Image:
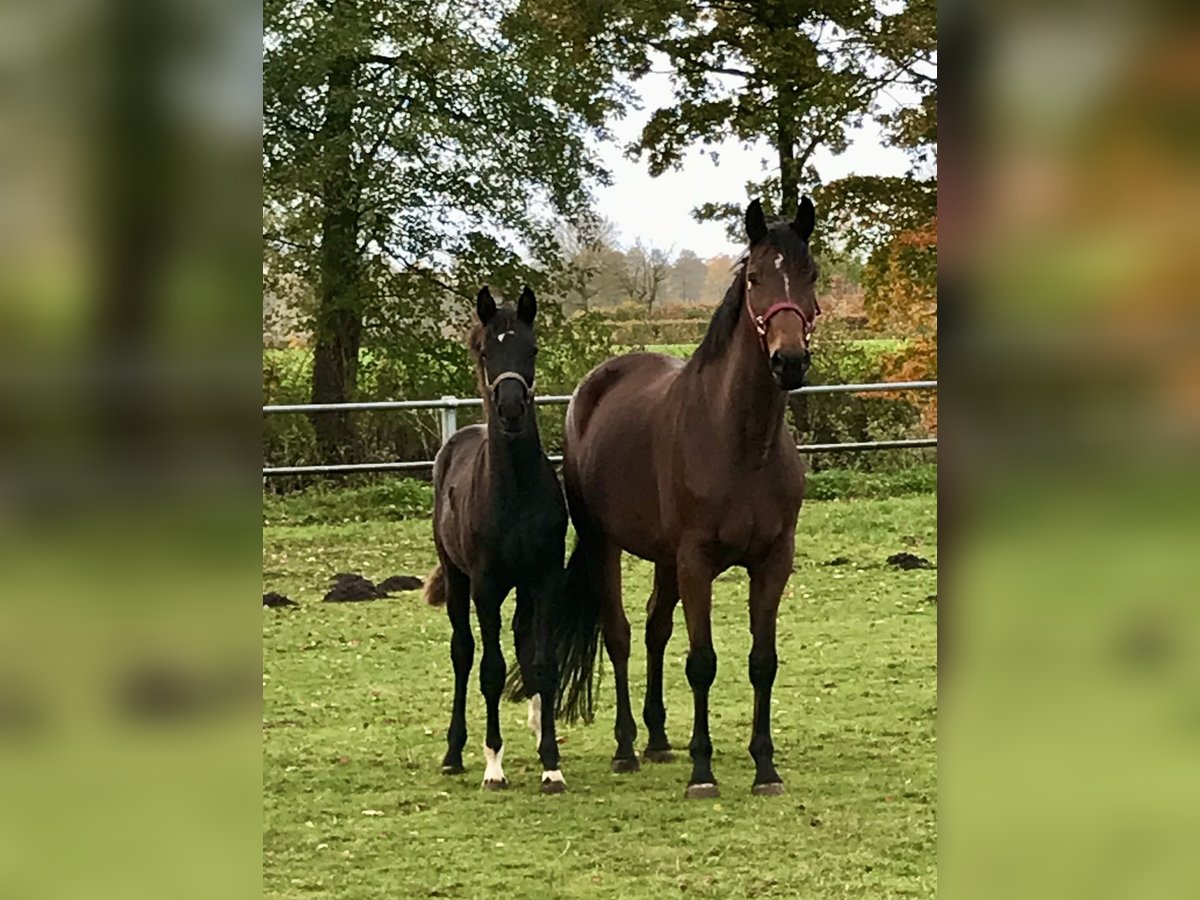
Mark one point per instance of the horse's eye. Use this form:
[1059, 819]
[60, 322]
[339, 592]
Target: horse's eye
[753, 278]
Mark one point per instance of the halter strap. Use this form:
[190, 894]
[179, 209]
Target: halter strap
[762, 321]
[505, 376]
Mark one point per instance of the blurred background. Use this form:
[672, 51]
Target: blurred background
[1070, 679]
[142, 142]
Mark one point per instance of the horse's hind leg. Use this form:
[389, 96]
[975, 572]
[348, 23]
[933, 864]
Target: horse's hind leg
[492, 670]
[462, 654]
[659, 624]
[607, 572]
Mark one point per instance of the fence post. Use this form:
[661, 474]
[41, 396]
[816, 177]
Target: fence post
[449, 418]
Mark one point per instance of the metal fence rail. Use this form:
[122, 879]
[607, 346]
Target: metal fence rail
[448, 407]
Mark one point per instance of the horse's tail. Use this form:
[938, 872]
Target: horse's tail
[577, 635]
[434, 591]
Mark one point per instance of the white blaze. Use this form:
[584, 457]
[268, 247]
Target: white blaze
[495, 764]
[787, 288]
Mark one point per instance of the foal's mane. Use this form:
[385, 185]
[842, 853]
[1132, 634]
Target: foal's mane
[724, 322]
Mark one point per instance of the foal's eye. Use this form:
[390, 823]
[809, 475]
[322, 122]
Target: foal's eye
[753, 278]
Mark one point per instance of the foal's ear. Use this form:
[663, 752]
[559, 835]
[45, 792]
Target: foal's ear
[756, 222]
[806, 218]
[485, 305]
[526, 306]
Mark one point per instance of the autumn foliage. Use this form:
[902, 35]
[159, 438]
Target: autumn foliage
[900, 286]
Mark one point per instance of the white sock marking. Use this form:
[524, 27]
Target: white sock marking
[495, 764]
[534, 717]
[554, 775]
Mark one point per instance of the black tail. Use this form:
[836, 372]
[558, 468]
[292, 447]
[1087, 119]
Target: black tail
[577, 637]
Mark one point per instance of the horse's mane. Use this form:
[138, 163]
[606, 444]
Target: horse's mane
[724, 320]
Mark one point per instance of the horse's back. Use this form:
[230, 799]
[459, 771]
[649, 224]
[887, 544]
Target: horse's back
[454, 471]
[609, 448]
[618, 381]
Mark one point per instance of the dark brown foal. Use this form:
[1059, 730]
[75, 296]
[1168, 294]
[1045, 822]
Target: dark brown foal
[689, 465]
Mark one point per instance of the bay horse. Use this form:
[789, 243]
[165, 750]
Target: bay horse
[500, 522]
[689, 465]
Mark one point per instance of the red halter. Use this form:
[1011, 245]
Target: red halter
[761, 322]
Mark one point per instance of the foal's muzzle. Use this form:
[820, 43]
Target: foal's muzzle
[513, 396]
[790, 368]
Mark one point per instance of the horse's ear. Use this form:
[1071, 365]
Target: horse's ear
[485, 305]
[756, 222]
[806, 218]
[526, 306]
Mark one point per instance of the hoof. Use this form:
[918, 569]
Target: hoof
[625, 764]
[663, 755]
[771, 789]
[553, 787]
[702, 791]
[495, 785]
[453, 769]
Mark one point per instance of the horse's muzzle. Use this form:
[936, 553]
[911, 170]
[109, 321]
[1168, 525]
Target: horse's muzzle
[790, 368]
[512, 401]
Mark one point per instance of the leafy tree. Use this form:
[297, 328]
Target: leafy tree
[687, 277]
[401, 136]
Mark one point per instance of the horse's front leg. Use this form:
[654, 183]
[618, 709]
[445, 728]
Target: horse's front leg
[547, 594]
[695, 576]
[488, 598]
[767, 581]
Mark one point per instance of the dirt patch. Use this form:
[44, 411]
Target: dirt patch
[908, 561]
[275, 601]
[401, 583]
[837, 561]
[350, 588]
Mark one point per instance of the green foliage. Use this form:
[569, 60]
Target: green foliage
[853, 484]
[568, 348]
[388, 499]
[660, 331]
[844, 418]
[356, 698]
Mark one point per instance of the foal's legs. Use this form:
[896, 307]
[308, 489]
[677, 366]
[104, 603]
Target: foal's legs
[488, 598]
[545, 667]
[659, 624]
[695, 585]
[533, 632]
[462, 654]
[766, 586]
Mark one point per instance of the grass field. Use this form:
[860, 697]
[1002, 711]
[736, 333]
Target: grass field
[356, 701]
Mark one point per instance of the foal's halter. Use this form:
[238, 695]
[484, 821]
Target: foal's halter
[762, 321]
[506, 376]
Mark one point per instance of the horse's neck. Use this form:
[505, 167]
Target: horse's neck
[514, 460]
[745, 403]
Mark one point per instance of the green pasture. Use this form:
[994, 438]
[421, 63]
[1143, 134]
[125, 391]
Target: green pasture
[357, 698]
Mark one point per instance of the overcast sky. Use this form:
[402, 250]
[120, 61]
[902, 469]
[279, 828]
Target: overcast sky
[658, 210]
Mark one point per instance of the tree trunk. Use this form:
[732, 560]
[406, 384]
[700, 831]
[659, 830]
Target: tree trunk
[338, 332]
[785, 140]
